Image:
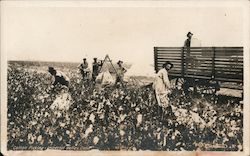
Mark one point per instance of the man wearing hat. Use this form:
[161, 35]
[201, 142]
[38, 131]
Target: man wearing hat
[83, 67]
[59, 77]
[189, 59]
[162, 86]
[120, 72]
[188, 40]
[95, 68]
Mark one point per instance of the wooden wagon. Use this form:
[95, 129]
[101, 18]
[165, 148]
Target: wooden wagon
[202, 69]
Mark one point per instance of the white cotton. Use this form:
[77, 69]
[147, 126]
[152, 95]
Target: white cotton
[67, 132]
[92, 117]
[46, 114]
[39, 138]
[240, 147]
[62, 124]
[137, 109]
[95, 140]
[139, 119]
[164, 141]
[176, 113]
[120, 108]
[88, 131]
[196, 118]
[211, 122]
[231, 134]
[34, 122]
[100, 106]
[122, 132]
[62, 102]
[195, 109]
[173, 137]
[59, 114]
[123, 116]
[158, 136]
[102, 116]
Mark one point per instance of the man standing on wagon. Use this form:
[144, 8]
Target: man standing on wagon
[187, 45]
[188, 40]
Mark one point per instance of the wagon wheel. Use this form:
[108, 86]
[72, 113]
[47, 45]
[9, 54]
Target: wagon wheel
[182, 85]
[174, 91]
[179, 83]
[208, 88]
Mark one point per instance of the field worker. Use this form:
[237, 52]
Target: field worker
[187, 44]
[188, 40]
[161, 85]
[95, 68]
[120, 72]
[59, 77]
[83, 67]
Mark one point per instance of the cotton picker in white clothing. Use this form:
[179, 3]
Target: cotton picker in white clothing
[162, 87]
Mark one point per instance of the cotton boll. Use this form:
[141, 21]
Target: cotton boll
[231, 134]
[39, 138]
[88, 130]
[92, 117]
[240, 148]
[68, 132]
[62, 124]
[95, 140]
[137, 109]
[122, 132]
[139, 119]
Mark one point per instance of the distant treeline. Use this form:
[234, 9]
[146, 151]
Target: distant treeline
[44, 63]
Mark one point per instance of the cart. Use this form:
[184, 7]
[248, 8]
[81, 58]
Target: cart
[202, 69]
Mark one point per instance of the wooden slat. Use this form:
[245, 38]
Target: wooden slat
[170, 57]
[169, 51]
[227, 48]
[228, 80]
[228, 75]
[175, 72]
[175, 68]
[229, 65]
[168, 48]
[174, 75]
[169, 54]
[198, 70]
[230, 50]
[202, 66]
[175, 63]
[163, 60]
[198, 77]
[229, 70]
[228, 60]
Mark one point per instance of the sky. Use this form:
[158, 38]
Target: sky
[124, 33]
